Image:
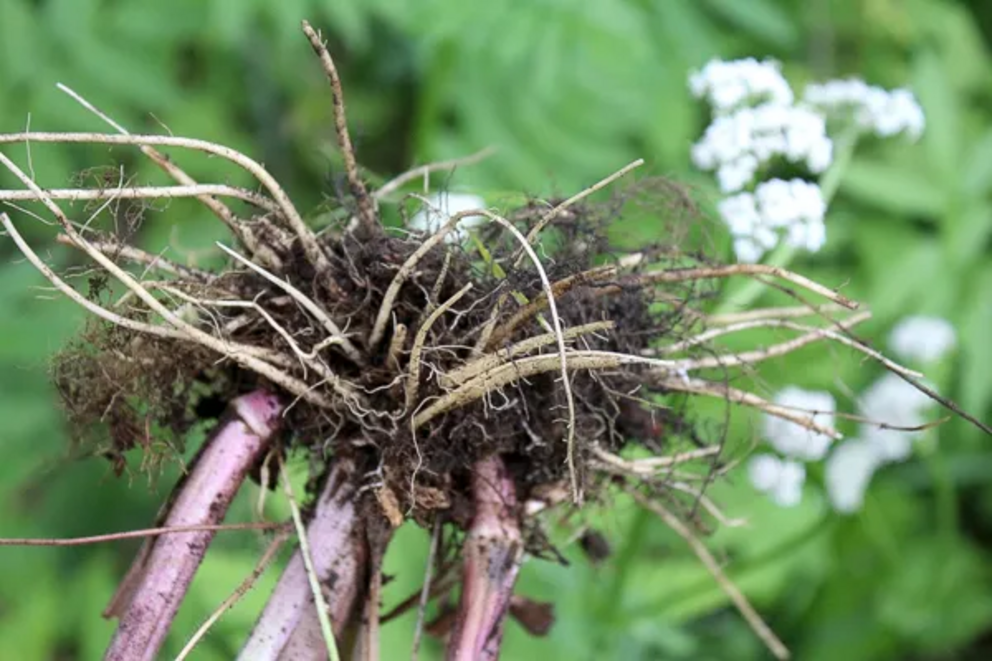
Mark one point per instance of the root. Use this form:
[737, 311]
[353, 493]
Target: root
[754, 270]
[389, 298]
[773, 314]
[218, 208]
[491, 361]
[783, 348]
[115, 249]
[181, 329]
[758, 625]
[512, 372]
[413, 380]
[415, 425]
[366, 204]
[556, 323]
[139, 534]
[744, 398]
[288, 212]
[556, 211]
[649, 466]
[263, 563]
[337, 337]
[496, 336]
[144, 193]
[424, 170]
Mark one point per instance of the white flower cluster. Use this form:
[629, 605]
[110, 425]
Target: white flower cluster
[782, 478]
[738, 144]
[794, 440]
[890, 406]
[890, 401]
[873, 109]
[442, 207]
[922, 339]
[893, 402]
[757, 122]
[848, 472]
[778, 210]
[728, 85]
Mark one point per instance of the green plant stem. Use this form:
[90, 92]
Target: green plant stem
[944, 493]
[609, 606]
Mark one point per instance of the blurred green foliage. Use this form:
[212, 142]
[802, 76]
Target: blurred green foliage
[568, 91]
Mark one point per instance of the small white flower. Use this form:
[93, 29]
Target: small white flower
[793, 440]
[848, 472]
[790, 211]
[442, 207]
[892, 401]
[781, 479]
[740, 213]
[737, 174]
[923, 339]
[872, 108]
[727, 85]
[738, 144]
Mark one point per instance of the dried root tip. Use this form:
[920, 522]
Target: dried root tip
[288, 627]
[493, 552]
[367, 214]
[202, 498]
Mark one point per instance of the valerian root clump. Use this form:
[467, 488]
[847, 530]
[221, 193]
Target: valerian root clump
[466, 384]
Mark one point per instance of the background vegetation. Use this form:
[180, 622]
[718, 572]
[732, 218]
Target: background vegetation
[568, 91]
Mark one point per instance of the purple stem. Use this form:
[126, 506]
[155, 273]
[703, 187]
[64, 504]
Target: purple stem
[492, 556]
[167, 569]
[288, 627]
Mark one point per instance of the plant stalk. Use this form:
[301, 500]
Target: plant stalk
[156, 585]
[289, 627]
[493, 552]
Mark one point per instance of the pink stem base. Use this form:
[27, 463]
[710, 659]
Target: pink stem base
[288, 627]
[166, 570]
[493, 551]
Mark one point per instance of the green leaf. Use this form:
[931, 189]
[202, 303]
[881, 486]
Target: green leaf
[18, 35]
[941, 104]
[940, 596]
[487, 257]
[976, 349]
[163, 24]
[967, 235]
[977, 176]
[902, 275]
[893, 188]
[762, 19]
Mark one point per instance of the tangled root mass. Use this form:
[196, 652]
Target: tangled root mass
[139, 388]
